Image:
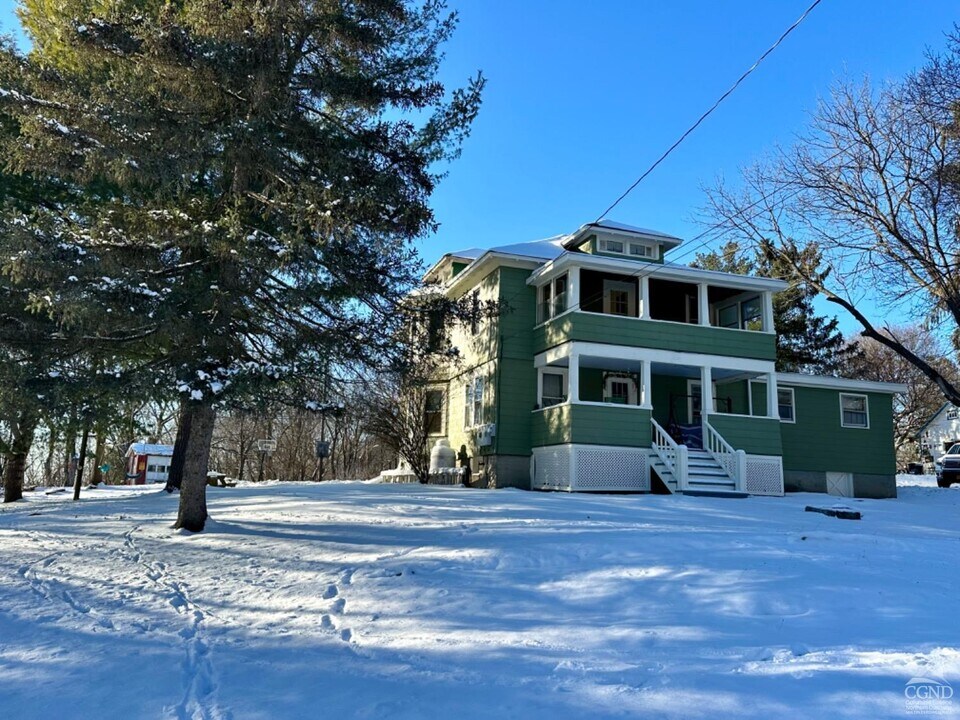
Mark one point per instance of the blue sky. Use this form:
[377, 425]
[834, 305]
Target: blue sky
[583, 96]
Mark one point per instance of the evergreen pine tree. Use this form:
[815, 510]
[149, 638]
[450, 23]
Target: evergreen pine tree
[806, 342]
[265, 168]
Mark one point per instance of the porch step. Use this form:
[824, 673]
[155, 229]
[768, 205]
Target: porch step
[705, 476]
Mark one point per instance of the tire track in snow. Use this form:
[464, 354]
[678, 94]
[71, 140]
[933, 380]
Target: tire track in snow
[200, 699]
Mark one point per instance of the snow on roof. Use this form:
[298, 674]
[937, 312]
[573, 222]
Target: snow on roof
[150, 449]
[623, 227]
[546, 249]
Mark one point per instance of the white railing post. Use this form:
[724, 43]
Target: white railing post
[683, 462]
[573, 377]
[741, 470]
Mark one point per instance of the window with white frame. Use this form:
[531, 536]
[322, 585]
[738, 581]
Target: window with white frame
[473, 402]
[854, 411]
[554, 389]
[151, 468]
[620, 389]
[786, 405]
[553, 298]
[646, 251]
[612, 246]
[619, 298]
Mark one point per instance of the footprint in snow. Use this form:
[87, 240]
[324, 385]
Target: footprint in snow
[338, 606]
[330, 592]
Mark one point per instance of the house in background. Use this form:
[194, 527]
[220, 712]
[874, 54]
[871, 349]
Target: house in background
[940, 432]
[148, 463]
[614, 369]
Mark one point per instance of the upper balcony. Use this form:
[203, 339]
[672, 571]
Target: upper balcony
[639, 304]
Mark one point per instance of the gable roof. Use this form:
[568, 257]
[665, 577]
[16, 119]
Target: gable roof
[149, 449]
[933, 417]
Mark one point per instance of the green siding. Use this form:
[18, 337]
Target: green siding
[592, 425]
[663, 387]
[457, 267]
[591, 384]
[756, 436]
[516, 377]
[593, 327]
[817, 442]
[737, 392]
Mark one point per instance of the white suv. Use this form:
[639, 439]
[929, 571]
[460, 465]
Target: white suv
[948, 467]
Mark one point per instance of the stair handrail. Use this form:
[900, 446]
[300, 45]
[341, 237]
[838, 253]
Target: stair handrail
[729, 458]
[672, 454]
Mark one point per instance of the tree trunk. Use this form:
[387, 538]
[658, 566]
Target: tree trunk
[48, 463]
[15, 467]
[193, 486]
[70, 448]
[98, 457]
[175, 474]
[82, 460]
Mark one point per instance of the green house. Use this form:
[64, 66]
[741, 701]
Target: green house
[613, 369]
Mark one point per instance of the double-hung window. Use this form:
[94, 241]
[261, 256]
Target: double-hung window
[473, 402]
[854, 411]
[433, 412]
[786, 405]
[553, 390]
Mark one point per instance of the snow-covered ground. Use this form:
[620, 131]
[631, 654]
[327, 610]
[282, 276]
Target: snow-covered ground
[355, 600]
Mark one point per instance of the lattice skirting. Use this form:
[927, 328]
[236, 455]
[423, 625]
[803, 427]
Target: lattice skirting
[764, 475]
[591, 468]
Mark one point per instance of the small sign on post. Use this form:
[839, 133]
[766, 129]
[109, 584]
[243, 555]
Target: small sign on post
[266, 446]
[323, 448]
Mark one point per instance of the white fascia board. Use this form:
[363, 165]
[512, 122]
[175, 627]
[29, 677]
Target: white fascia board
[589, 229]
[649, 269]
[834, 383]
[638, 354]
[479, 268]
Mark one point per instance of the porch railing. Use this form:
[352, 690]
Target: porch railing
[733, 462]
[673, 455]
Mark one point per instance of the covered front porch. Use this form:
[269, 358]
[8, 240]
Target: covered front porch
[597, 394]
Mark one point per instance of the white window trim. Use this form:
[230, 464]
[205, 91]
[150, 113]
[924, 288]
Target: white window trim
[632, 394]
[866, 408]
[793, 404]
[471, 384]
[550, 311]
[566, 387]
[625, 285]
[653, 247]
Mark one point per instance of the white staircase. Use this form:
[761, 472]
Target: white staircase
[705, 476]
[697, 472]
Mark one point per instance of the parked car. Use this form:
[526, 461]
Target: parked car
[948, 467]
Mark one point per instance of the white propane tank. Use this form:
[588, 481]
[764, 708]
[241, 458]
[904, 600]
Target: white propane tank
[442, 456]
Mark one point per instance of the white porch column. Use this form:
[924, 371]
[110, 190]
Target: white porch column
[706, 388]
[573, 377]
[704, 308]
[773, 409]
[646, 388]
[645, 297]
[767, 299]
[539, 387]
[573, 289]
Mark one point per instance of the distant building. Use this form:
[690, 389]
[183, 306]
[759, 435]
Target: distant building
[940, 431]
[148, 463]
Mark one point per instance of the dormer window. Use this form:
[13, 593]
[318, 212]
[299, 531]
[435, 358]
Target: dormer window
[647, 251]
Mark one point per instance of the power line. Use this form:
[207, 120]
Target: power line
[713, 107]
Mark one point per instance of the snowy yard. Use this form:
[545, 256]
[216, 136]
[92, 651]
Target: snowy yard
[350, 600]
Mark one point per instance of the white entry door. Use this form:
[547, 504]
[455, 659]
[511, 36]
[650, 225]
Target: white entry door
[839, 483]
